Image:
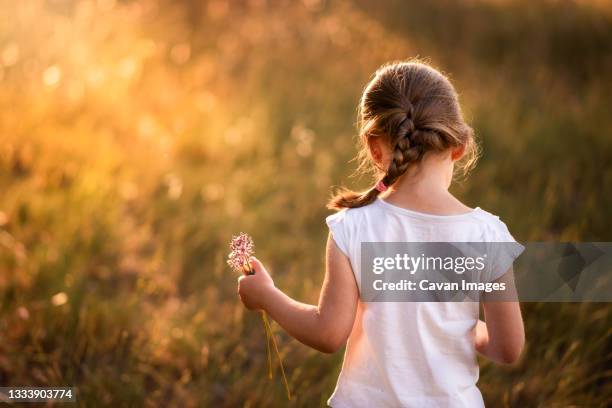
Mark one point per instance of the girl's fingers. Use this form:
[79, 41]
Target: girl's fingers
[246, 269]
[256, 265]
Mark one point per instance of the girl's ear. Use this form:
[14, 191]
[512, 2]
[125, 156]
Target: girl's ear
[375, 149]
[457, 153]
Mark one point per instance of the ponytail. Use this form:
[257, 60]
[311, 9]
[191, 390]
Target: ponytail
[351, 199]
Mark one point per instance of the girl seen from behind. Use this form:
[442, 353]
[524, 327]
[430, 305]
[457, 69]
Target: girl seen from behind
[401, 354]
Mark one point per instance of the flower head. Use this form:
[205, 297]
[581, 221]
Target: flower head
[241, 248]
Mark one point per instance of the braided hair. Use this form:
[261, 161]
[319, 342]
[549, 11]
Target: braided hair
[416, 110]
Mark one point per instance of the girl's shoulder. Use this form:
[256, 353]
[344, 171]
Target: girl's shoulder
[346, 225]
[344, 218]
[350, 217]
[478, 224]
[498, 230]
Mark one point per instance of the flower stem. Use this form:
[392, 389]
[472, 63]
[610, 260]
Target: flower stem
[264, 316]
[268, 340]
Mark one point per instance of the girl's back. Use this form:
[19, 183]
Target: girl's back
[409, 353]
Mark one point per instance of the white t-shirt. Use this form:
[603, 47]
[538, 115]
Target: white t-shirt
[403, 354]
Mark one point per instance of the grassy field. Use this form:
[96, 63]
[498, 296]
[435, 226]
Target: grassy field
[138, 136]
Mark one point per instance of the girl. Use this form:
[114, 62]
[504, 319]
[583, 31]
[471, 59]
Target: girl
[401, 354]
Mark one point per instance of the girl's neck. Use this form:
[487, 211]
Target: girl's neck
[424, 188]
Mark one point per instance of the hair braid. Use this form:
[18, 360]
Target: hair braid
[407, 150]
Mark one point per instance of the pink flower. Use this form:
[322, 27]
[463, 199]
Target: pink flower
[241, 248]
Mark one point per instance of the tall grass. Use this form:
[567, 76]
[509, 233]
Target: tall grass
[138, 136]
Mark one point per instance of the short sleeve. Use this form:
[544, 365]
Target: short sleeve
[505, 250]
[337, 225]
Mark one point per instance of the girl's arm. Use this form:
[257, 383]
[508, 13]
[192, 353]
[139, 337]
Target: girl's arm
[501, 336]
[325, 326]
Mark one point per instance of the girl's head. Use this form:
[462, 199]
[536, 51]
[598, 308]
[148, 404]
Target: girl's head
[408, 110]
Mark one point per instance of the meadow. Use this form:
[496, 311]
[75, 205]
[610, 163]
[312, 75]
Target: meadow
[136, 137]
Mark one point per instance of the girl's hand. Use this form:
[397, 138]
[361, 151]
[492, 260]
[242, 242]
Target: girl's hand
[254, 289]
[481, 336]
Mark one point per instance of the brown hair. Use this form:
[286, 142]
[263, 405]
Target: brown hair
[416, 110]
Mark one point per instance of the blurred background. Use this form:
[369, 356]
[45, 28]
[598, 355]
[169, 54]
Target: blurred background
[137, 136]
